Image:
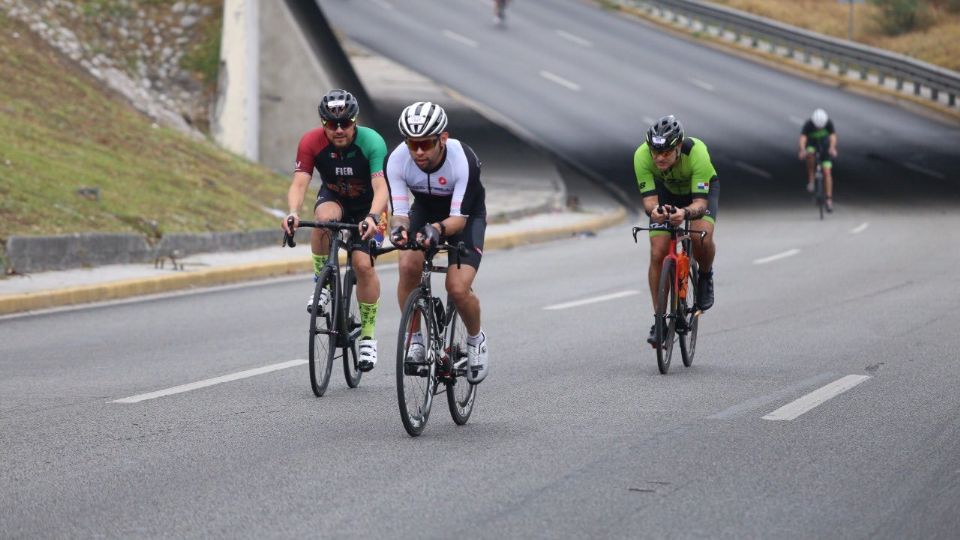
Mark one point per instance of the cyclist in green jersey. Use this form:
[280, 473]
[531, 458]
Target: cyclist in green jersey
[674, 171]
[818, 135]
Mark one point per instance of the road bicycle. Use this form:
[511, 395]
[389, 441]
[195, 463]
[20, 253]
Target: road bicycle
[819, 191]
[334, 328]
[677, 317]
[444, 364]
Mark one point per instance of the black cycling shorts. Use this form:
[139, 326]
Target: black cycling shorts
[472, 234]
[348, 213]
[713, 204]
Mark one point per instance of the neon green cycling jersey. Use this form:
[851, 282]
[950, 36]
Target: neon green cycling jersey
[689, 176]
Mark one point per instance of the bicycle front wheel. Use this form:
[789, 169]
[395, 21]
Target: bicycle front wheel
[460, 393]
[688, 341]
[416, 375]
[666, 315]
[351, 329]
[819, 190]
[323, 332]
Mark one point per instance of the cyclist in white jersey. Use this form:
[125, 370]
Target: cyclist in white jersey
[443, 175]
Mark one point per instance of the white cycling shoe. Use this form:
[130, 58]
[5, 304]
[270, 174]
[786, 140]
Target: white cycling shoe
[415, 363]
[477, 361]
[367, 349]
[324, 301]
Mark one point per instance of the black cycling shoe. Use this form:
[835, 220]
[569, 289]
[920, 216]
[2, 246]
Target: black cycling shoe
[705, 291]
[652, 338]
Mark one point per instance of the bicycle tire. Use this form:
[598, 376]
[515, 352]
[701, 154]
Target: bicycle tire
[351, 325]
[323, 334]
[461, 394]
[665, 316]
[819, 190]
[415, 389]
[688, 342]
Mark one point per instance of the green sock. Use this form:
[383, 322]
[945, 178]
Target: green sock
[318, 262]
[368, 319]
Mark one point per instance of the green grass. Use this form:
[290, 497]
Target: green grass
[60, 131]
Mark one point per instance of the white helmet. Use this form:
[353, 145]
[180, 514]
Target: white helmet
[819, 118]
[422, 119]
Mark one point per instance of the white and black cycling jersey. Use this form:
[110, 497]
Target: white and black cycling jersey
[453, 188]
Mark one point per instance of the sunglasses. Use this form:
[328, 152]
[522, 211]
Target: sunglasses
[664, 152]
[332, 125]
[424, 144]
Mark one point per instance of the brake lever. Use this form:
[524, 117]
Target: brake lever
[288, 238]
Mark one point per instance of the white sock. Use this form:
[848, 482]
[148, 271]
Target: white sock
[416, 337]
[475, 340]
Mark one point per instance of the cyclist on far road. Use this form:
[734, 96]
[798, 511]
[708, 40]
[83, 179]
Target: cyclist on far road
[675, 170]
[349, 159]
[818, 135]
[449, 204]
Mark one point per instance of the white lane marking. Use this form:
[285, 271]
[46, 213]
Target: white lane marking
[210, 382]
[777, 257]
[817, 397]
[705, 85]
[859, 228]
[383, 4]
[575, 38]
[923, 170]
[755, 170]
[797, 121]
[460, 38]
[560, 80]
[593, 300]
[757, 402]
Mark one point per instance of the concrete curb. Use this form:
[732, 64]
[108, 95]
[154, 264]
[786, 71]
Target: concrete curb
[19, 303]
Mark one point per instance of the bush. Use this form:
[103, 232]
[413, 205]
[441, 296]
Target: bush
[901, 16]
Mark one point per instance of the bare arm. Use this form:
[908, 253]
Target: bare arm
[295, 196]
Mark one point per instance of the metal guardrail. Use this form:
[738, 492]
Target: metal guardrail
[844, 55]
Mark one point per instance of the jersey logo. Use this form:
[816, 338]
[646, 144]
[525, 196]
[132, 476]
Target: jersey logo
[333, 155]
[343, 171]
[442, 181]
[298, 163]
[701, 185]
[351, 154]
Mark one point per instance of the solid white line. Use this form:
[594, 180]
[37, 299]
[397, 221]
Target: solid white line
[817, 397]
[462, 39]
[923, 170]
[593, 300]
[859, 228]
[210, 382]
[777, 257]
[574, 38]
[705, 85]
[755, 170]
[560, 80]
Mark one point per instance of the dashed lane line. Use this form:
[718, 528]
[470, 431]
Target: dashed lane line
[777, 257]
[210, 382]
[859, 228]
[593, 300]
[560, 80]
[583, 42]
[818, 397]
[459, 38]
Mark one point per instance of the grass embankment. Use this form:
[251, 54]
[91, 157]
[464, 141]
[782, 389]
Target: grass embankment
[60, 131]
[937, 42]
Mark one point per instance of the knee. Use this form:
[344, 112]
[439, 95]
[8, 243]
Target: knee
[365, 273]
[458, 292]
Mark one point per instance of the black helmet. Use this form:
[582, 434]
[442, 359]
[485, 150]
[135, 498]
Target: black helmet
[665, 134]
[338, 105]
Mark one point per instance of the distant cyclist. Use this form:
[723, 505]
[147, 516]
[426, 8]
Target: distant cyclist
[449, 203]
[349, 159]
[818, 135]
[500, 11]
[675, 170]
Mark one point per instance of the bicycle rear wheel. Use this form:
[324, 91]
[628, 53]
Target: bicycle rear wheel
[351, 329]
[688, 341]
[416, 377]
[666, 316]
[323, 332]
[460, 393]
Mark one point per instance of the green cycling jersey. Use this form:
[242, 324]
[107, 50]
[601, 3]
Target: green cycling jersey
[689, 176]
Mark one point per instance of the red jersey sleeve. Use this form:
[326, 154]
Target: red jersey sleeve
[310, 145]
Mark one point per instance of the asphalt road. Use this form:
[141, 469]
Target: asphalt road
[575, 432]
[587, 83]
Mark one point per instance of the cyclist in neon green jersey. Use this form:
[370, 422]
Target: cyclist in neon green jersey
[675, 170]
[818, 135]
